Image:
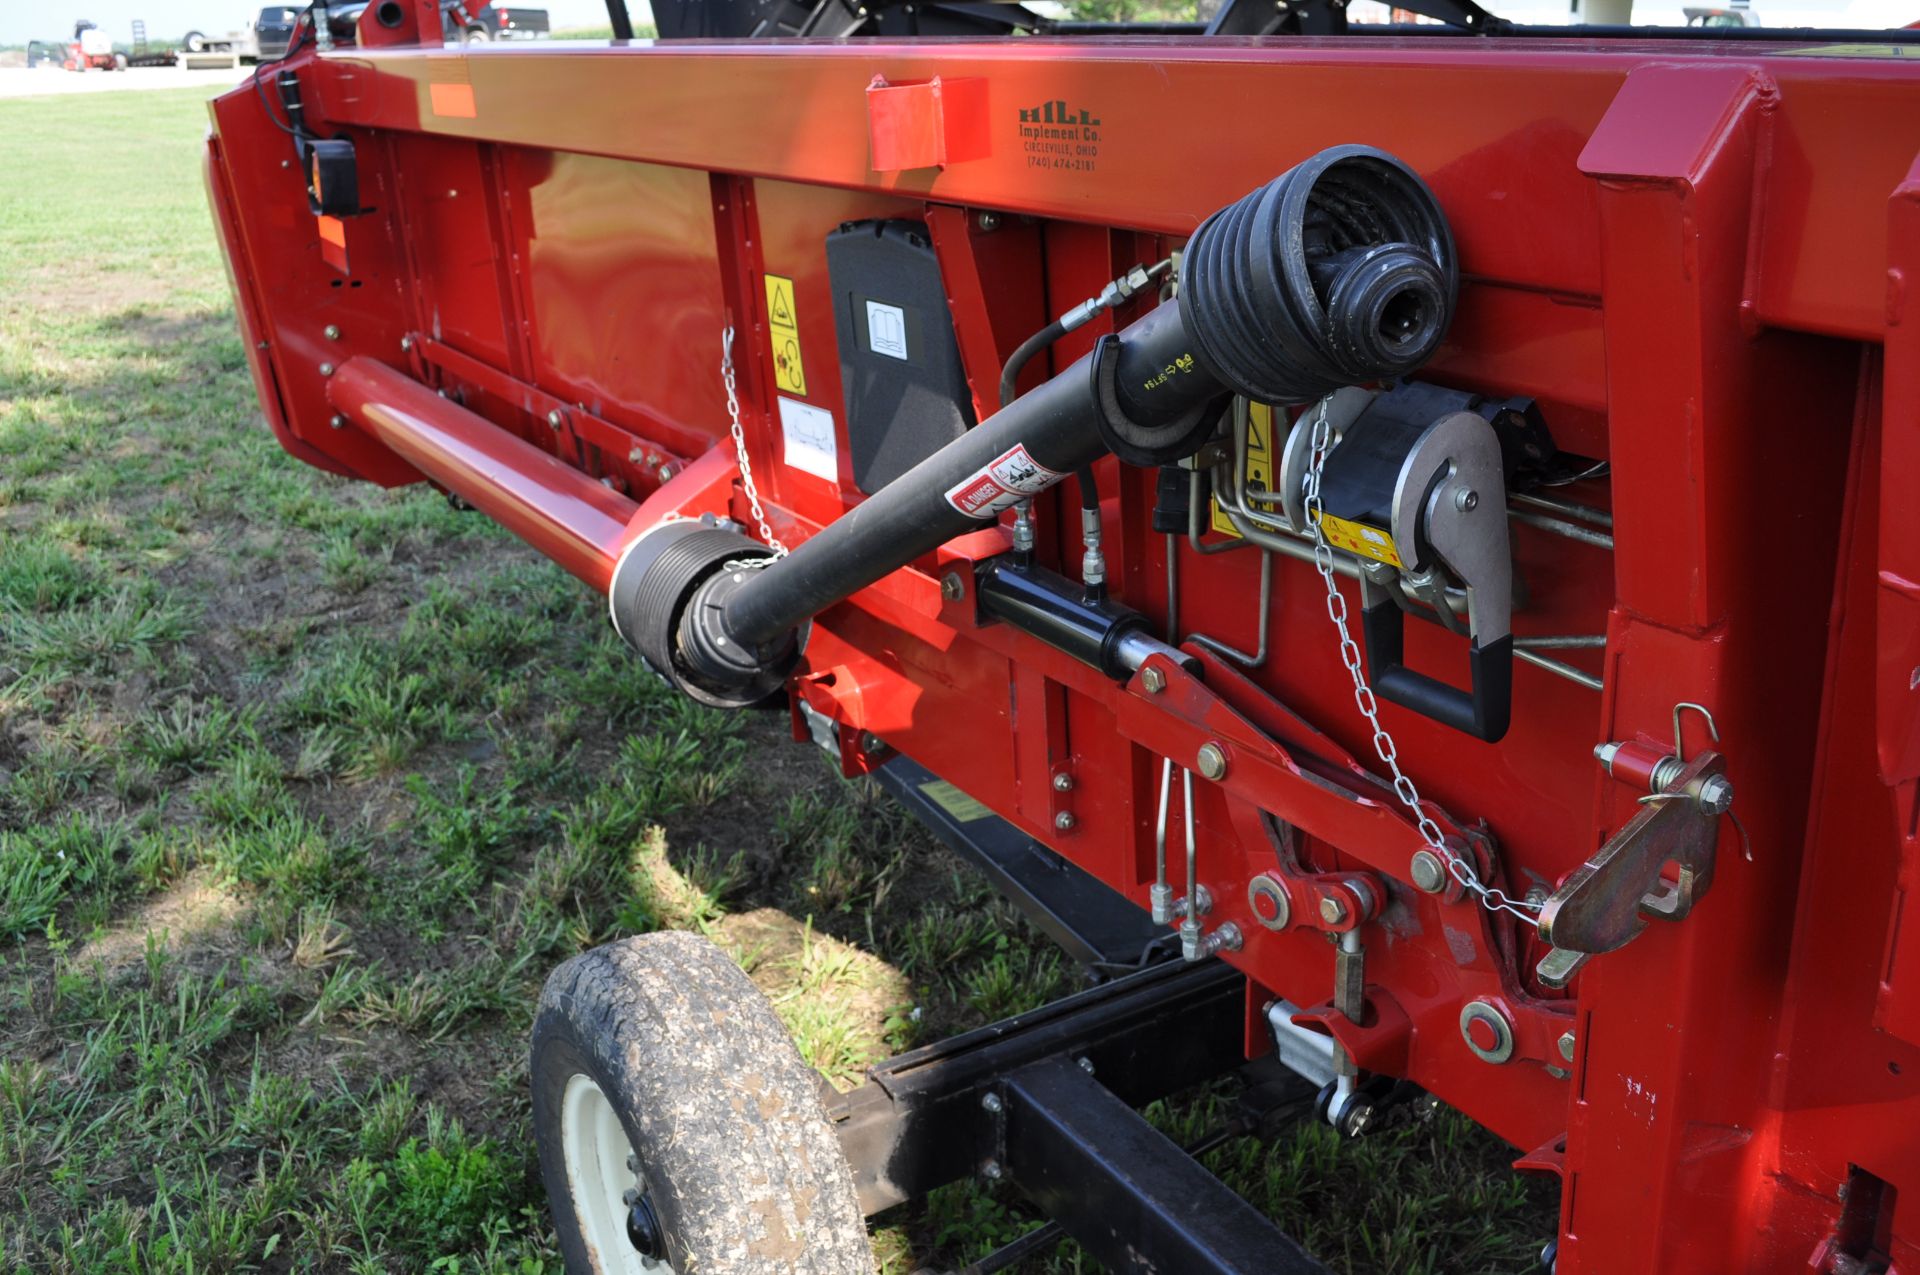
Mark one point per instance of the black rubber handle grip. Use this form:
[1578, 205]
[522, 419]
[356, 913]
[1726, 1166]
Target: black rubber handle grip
[1483, 712]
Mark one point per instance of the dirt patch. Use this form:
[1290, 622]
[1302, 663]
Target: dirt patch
[196, 917]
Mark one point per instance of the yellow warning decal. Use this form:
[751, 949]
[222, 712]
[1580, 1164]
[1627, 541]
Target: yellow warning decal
[1260, 464]
[1358, 537]
[1909, 52]
[963, 808]
[788, 372]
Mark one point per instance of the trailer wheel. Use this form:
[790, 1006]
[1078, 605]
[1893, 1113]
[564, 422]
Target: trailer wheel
[678, 1128]
[477, 35]
[194, 42]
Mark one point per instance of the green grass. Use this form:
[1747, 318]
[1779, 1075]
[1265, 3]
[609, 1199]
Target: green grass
[304, 787]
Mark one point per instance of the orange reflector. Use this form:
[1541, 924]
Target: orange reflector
[454, 101]
[333, 242]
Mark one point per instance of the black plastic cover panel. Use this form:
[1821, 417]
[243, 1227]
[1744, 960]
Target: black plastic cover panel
[906, 391]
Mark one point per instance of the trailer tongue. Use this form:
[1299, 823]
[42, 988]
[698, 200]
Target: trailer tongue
[1466, 585]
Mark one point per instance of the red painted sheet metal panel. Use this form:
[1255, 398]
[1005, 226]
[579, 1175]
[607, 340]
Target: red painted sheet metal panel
[446, 191]
[1500, 157]
[621, 285]
[790, 112]
[289, 299]
[1843, 1085]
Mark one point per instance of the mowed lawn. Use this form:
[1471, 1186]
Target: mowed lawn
[305, 786]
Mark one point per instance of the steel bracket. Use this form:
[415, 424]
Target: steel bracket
[1608, 900]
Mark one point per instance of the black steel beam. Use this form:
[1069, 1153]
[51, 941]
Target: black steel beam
[622, 21]
[918, 1122]
[1094, 924]
[1132, 1198]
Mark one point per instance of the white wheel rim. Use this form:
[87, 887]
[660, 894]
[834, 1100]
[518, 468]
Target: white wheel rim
[597, 1153]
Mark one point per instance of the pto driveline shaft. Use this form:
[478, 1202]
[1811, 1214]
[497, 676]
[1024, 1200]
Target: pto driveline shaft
[1039, 439]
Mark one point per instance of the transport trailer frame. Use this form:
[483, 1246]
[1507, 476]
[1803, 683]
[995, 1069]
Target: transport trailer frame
[1689, 262]
[1046, 1101]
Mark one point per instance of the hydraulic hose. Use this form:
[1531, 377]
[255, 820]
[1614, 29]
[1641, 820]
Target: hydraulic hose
[1023, 355]
[1341, 271]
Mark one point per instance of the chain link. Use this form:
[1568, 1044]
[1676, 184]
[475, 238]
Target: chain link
[746, 466]
[1491, 897]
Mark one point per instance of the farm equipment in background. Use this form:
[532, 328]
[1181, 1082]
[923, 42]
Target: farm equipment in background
[1416, 523]
[92, 50]
[461, 21]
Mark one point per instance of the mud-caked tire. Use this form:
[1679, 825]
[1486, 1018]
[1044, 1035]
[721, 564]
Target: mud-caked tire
[658, 1053]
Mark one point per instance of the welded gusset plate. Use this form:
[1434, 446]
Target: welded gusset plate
[1607, 902]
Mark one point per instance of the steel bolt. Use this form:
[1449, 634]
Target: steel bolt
[1212, 761]
[1064, 821]
[951, 587]
[1359, 1120]
[1716, 795]
[635, 456]
[1152, 680]
[326, 369]
[991, 1171]
[666, 472]
[333, 332]
[1566, 1046]
[553, 418]
[989, 221]
[1332, 909]
[990, 1103]
[1466, 500]
[406, 343]
[1428, 873]
[871, 744]
[337, 421]
[1086, 1064]
[1063, 782]
[629, 1196]
[1485, 1028]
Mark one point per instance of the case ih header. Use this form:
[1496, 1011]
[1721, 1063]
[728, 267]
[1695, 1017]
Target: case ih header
[1454, 557]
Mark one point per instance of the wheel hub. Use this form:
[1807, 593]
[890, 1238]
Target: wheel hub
[643, 1230]
[617, 1222]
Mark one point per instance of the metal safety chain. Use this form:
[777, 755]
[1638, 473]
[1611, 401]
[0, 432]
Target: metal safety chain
[1491, 897]
[746, 466]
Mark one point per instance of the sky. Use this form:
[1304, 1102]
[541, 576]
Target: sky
[23, 20]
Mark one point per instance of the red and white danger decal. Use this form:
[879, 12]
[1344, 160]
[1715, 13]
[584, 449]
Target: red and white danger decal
[1006, 480]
